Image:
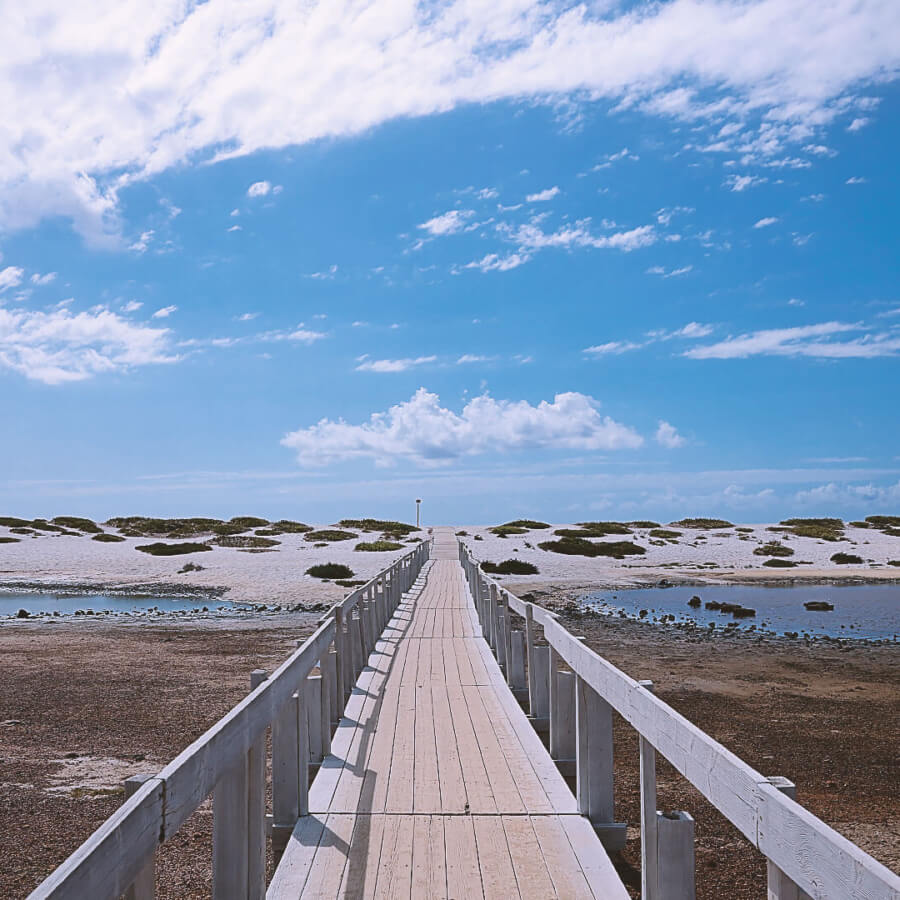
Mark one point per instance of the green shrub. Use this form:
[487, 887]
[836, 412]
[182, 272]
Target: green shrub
[600, 529]
[894, 562]
[665, 533]
[9, 540]
[883, 521]
[13, 522]
[506, 530]
[349, 582]
[526, 524]
[477, 537]
[703, 523]
[773, 548]
[77, 523]
[137, 526]
[105, 538]
[23, 530]
[510, 567]
[378, 546]
[267, 532]
[248, 522]
[288, 526]
[327, 534]
[893, 532]
[227, 528]
[574, 546]
[744, 530]
[779, 563]
[860, 524]
[846, 559]
[819, 529]
[190, 567]
[388, 526]
[245, 541]
[160, 549]
[643, 523]
[462, 533]
[330, 570]
[44, 525]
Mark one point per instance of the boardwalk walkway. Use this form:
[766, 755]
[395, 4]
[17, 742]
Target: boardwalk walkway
[437, 785]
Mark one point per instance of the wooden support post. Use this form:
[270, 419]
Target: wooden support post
[501, 637]
[286, 770]
[564, 720]
[529, 655]
[506, 633]
[325, 705]
[356, 639]
[649, 849]
[334, 691]
[495, 621]
[780, 887]
[517, 679]
[144, 886]
[594, 730]
[340, 650]
[256, 807]
[230, 834]
[540, 707]
[553, 692]
[313, 698]
[675, 853]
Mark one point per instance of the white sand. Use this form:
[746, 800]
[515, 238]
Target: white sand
[277, 576]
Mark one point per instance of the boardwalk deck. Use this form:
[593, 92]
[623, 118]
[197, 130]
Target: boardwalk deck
[436, 785]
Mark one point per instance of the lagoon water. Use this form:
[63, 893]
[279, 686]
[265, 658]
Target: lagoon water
[869, 611]
[37, 603]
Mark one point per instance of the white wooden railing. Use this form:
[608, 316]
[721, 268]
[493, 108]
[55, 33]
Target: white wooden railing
[805, 856]
[229, 762]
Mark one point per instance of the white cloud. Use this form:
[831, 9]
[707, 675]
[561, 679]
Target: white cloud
[141, 244]
[246, 317]
[531, 238]
[234, 228]
[326, 275]
[740, 183]
[259, 189]
[796, 301]
[421, 431]
[305, 335]
[820, 150]
[132, 306]
[856, 179]
[671, 273]
[59, 346]
[665, 215]
[448, 223]
[691, 330]
[235, 212]
[608, 159]
[11, 277]
[541, 196]
[40, 280]
[471, 358]
[612, 348]
[806, 340]
[856, 124]
[766, 222]
[164, 312]
[667, 436]
[217, 80]
[393, 365]
[491, 262]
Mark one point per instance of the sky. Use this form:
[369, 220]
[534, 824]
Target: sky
[566, 261]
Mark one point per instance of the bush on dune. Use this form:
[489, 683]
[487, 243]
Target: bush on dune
[773, 548]
[601, 529]
[161, 549]
[246, 541]
[329, 534]
[246, 522]
[77, 523]
[378, 546]
[510, 567]
[387, 526]
[574, 546]
[846, 559]
[330, 570]
[527, 524]
[105, 538]
[701, 522]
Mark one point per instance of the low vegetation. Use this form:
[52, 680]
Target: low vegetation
[105, 538]
[349, 582]
[506, 530]
[161, 549]
[14, 522]
[77, 523]
[665, 533]
[248, 521]
[329, 534]
[576, 546]
[819, 529]
[893, 562]
[190, 567]
[528, 524]
[643, 523]
[701, 522]
[289, 526]
[601, 529]
[386, 526]
[883, 521]
[773, 548]
[510, 567]
[330, 570]
[846, 559]
[145, 526]
[246, 542]
[378, 546]
[9, 540]
[779, 563]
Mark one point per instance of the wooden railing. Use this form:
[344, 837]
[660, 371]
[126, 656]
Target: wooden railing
[229, 762]
[805, 856]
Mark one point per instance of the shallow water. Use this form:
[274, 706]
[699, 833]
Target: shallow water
[66, 604]
[869, 611]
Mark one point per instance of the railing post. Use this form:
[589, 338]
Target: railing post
[563, 721]
[675, 854]
[529, 655]
[517, 679]
[314, 716]
[507, 636]
[649, 849]
[495, 620]
[553, 693]
[594, 729]
[359, 641]
[144, 886]
[340, 651]
[780, 886]
[540, 710]
[256, 807]
[331, 676]
[290, 773]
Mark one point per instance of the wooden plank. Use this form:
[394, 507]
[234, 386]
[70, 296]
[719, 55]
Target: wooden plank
[454, 798]
[498, 877]
[463, 872]
[426, 780]
[479, 792]
[429, 858]
[563, 865]
[395, 865]
[361, 871]
[327, 870]
[400, 786]
[595, 864]
[532, 876]
[293, 870]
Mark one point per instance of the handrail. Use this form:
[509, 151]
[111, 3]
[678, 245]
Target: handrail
[813, 855]
[110, 860]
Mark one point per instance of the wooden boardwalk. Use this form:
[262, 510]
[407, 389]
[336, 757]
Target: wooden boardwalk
[436, 784]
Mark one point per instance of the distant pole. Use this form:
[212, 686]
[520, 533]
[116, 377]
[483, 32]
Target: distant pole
[418, 505]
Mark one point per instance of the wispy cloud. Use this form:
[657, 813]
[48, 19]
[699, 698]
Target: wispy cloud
[39, 280]
[613, 348]
[858, 123]
[856, 179]
[447, 223]
[422, 431]
[164, 312]
[259, 189]
[492, 262]
[542, 196]
[11, 277]
[394, 365]
[739, 183]
[766, 222]
[326, 274]
[670, 273]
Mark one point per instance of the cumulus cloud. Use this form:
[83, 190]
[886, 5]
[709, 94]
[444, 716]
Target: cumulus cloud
[132, 306]
[542, 196]
[667, 436]
[259, 189]
[217, 80]
[61, 346]
[805, 340]
[858, 123]
[11, 277]
[448, 223]
[766, 222]
[531, 237]
[40, 280]
[492, 262]
[422, 431]
[740, 183]
[393, 365]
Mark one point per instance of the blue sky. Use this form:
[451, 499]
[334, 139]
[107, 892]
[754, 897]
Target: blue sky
[603, 261]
